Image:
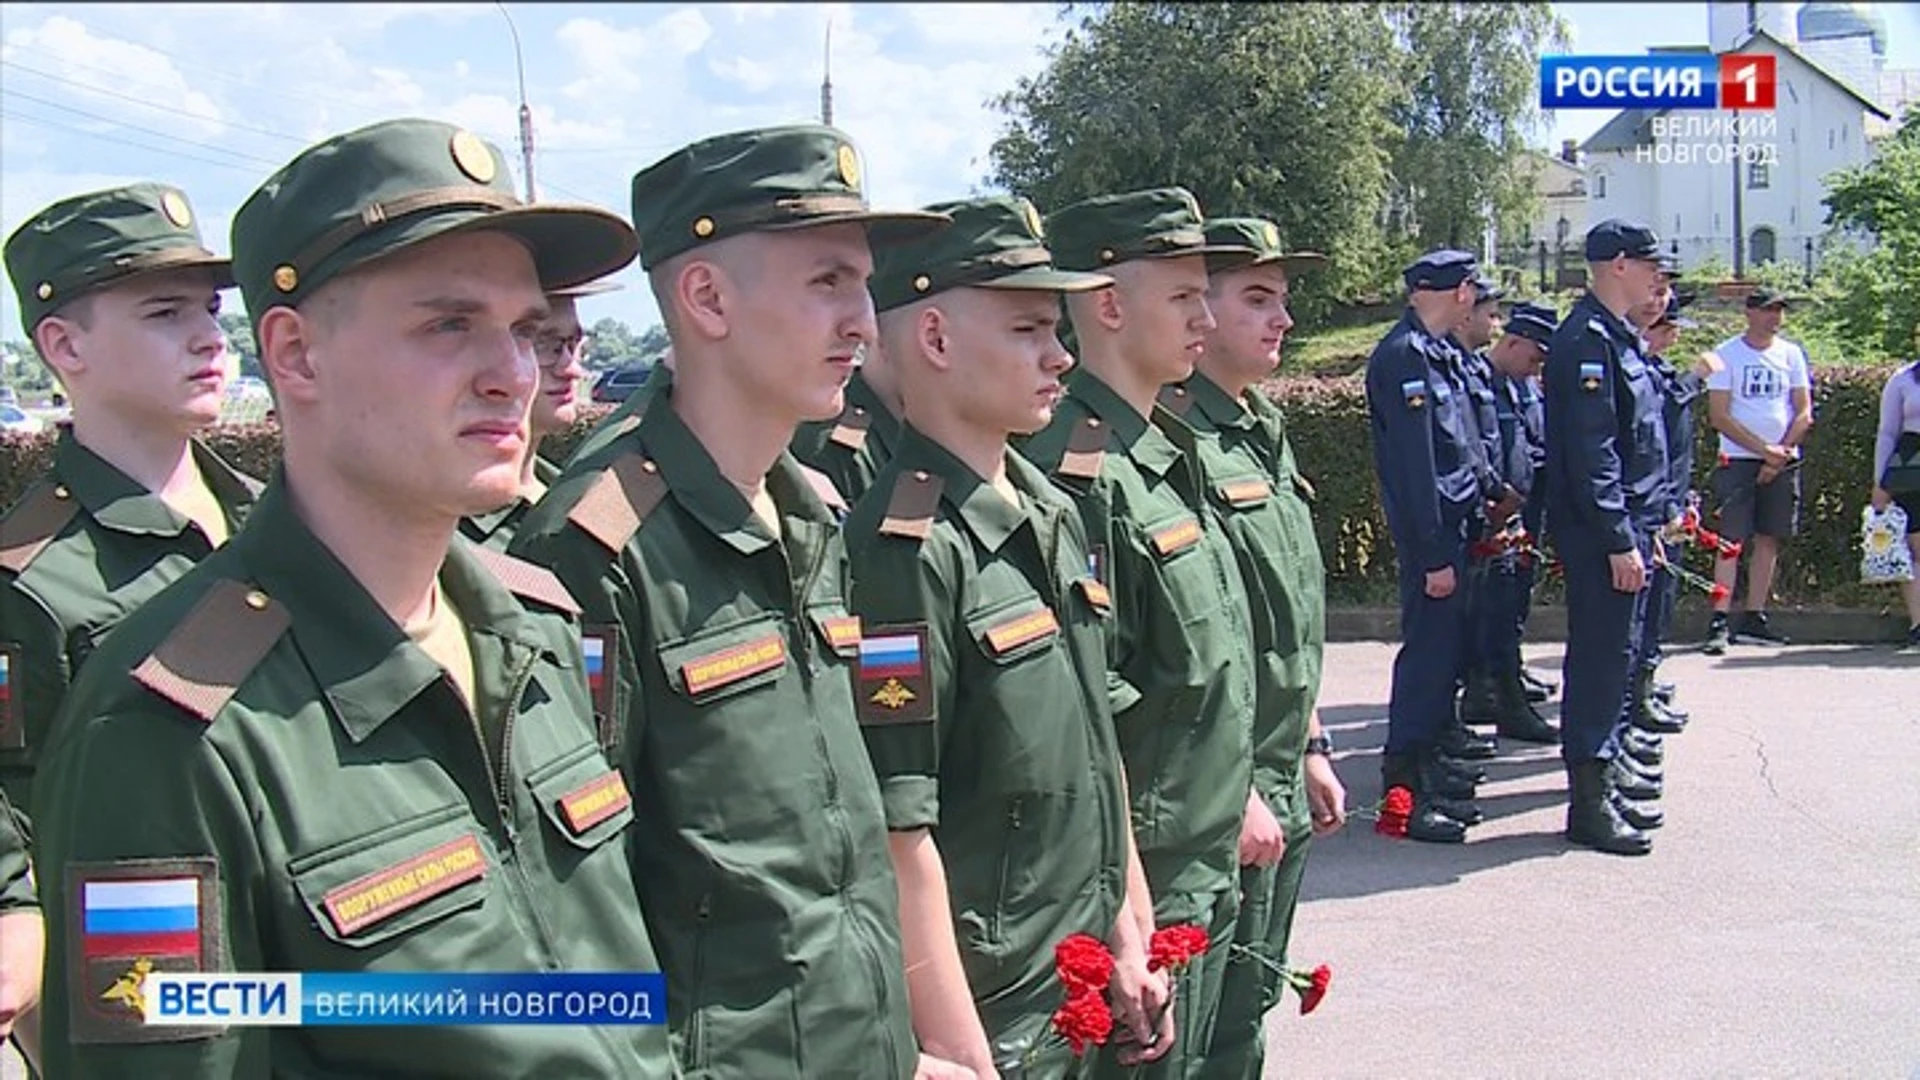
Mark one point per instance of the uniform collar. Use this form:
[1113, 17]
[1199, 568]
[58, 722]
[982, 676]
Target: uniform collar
[985, 512]
[883, 424]
[706, 493]
[1142, 441]
[1221, 409]
[122, 504]
[483, 526]
[1617, 328]
[365, 664]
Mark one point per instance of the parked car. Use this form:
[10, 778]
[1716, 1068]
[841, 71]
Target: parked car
[614, 384]
[15, 422]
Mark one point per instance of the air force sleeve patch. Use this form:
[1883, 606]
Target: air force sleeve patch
[1414, 391]
[1590, 375]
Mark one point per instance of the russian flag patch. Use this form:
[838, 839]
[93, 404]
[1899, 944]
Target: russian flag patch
[125, 920]
[893, 685]
[13, 728]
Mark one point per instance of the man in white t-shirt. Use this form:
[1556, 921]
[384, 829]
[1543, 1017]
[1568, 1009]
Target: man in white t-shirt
[1761, 402]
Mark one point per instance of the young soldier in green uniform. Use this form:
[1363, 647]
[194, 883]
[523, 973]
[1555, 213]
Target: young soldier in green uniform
[348, 741]
[557, 349]
[119, 295]
[1257, 488]
[1181, 680]
[852, 448]
[22, 934]
[714, 576]
[982, 681]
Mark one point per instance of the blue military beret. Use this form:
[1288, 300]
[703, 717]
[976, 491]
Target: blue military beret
[1443, 269]
[1672, 314]
[1534, 322]
[1485, 289]
[1614, 237]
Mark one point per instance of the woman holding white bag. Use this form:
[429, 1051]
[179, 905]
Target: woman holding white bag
[1896, 474]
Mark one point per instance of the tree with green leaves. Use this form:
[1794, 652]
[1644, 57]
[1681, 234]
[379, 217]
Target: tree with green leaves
[239, 333]
[1472, 71]
[1302, 113]
[1877, 294]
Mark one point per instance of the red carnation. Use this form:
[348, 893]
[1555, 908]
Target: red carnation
[1719, 593]
[1315, 989]
[1084, 1020]
[1174, 947]
[1396, 809]
[1083, 963]
[1729, 549]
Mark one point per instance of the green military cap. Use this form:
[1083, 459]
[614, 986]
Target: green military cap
[90, 241]
[1259, 237]
[1154, 224]
[763, 180]
[995, 242]
[377, 190]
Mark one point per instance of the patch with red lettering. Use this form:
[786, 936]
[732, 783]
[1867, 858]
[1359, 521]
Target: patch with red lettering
[1097, 595]
[842, 631]
[384, 893]
[595, 801]
[1246, 492]
[1177, 537]
[1017, 631]
[732, 664]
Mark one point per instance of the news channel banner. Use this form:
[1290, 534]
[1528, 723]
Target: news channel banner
[1707, 109]
[395, 999]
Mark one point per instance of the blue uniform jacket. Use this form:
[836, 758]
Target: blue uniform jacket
[1425, 444]
[1678, 391]
[1606, 436]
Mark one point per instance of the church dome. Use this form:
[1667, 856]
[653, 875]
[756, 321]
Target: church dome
[1824, 20]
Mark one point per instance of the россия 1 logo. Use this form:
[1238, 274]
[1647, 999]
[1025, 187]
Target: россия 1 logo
[1661, 81]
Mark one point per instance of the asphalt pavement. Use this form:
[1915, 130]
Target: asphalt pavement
[1771, 933]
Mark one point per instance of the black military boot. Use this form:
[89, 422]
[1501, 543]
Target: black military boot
[1518, 718]
[1480, 701]
[1538, 689]
[1425, 824]
[1452, 780]
[1456, 741]
[1631, 783]
[1592, 820]
[1641, 815]
[1643, 747]
[1438, 785]
[1648, 714]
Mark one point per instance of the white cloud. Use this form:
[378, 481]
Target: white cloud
[62, 61]
[752, 76]
[612, 88]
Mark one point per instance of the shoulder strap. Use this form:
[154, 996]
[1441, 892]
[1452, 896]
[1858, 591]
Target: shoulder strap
[612, 509]
[912, 505]
[211, 652]
[1086, 450]
[850, 429]
[526, 580]
[33, 523]
[1176, 399]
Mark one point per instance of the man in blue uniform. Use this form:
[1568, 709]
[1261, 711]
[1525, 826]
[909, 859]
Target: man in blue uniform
[1479, 702]
[1426, 451]
[1507, 582]
[1606, 499]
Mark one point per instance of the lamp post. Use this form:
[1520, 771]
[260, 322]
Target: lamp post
[526, 114]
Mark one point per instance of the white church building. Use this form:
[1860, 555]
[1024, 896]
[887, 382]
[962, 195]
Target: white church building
[1681, 172]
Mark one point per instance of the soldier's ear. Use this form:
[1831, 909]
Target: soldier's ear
[287, 340]
[58, 340]
[930, 333]
[701, 291]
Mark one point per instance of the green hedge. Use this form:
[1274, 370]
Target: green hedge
[1327, 420]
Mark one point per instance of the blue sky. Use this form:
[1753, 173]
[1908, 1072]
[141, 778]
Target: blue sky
[213, 97]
